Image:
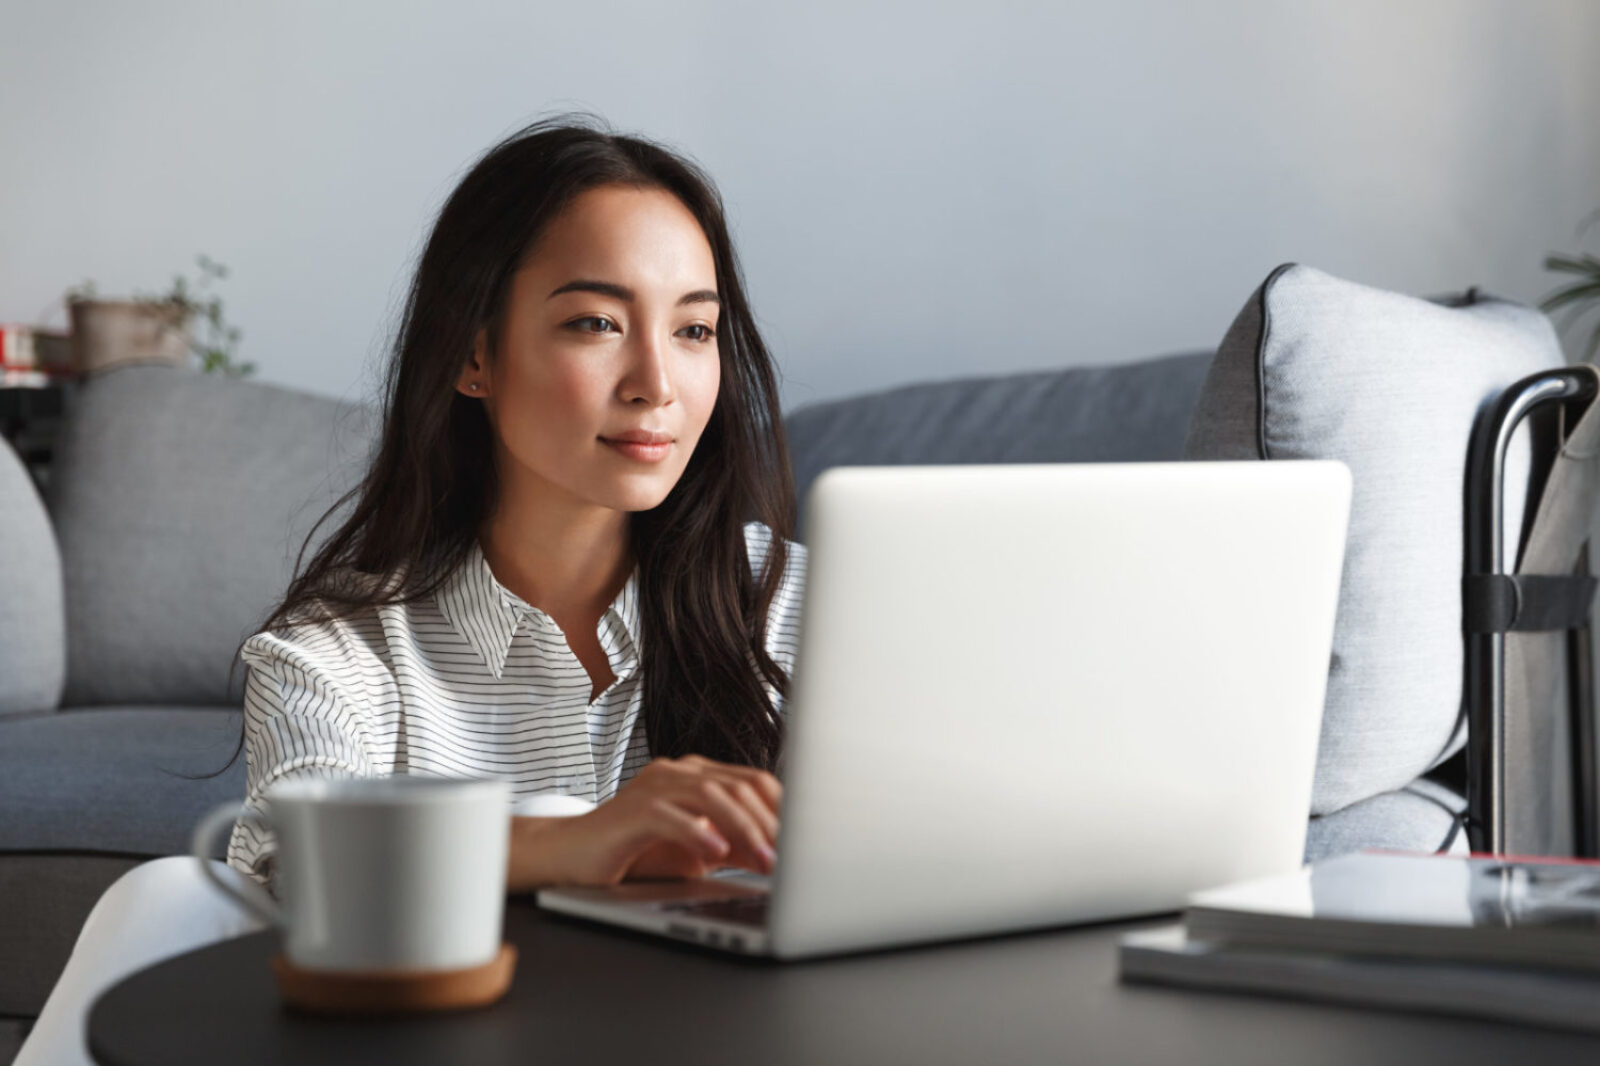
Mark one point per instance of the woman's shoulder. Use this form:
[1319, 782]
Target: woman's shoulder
[321, 636]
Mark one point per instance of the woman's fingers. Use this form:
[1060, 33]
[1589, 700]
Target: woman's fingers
[766, 785]
[696, 832]
[763, 784]
[667, 860]
[738, 825]
[748, 796]
[721, 813]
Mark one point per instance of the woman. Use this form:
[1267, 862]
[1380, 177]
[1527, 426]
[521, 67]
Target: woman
[568, 565]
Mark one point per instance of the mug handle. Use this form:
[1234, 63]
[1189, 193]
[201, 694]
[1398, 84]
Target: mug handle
[248, 894]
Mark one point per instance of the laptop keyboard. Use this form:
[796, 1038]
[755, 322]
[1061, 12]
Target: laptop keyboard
[741, 910]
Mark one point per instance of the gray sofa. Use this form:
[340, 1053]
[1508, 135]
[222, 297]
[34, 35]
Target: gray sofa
[170, 524]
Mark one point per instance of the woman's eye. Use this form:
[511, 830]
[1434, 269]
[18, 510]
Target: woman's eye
[705, 332]
[605, 324]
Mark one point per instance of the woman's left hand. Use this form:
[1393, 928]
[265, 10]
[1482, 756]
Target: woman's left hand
[676, 818]
[667, 860]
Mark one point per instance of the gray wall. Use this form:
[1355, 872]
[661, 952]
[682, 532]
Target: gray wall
[918, 190]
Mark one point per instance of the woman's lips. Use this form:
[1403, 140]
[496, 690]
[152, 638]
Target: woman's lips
[647, 453]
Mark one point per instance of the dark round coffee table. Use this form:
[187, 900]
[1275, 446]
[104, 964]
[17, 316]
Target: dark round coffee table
[583, 994]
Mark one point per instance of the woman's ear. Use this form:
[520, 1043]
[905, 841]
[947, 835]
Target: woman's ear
[474, 379]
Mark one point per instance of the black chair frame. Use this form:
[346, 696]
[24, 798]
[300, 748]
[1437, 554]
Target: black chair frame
[1497, 601]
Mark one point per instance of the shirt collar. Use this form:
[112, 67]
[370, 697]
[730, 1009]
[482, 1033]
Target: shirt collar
[488, 615]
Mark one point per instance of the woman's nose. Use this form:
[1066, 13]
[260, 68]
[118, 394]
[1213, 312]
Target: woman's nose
[649, 375]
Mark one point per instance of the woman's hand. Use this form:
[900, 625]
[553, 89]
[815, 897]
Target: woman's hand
[675, 818]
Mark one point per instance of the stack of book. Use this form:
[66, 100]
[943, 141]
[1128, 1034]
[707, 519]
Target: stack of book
[33, 357]
[1512, 939]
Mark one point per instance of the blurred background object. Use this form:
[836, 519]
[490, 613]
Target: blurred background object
[155, 328]
[1581, 294]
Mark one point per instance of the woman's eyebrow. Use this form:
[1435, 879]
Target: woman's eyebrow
[625, 294]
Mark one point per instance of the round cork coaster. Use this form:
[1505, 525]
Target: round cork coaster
[398, 992]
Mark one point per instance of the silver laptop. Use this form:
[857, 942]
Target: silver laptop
[1033, 695]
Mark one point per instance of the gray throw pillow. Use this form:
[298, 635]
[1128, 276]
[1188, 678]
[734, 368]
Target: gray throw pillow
[180, 501]
[1316, 367]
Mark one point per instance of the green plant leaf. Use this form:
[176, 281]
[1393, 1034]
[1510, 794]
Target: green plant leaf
[1566, 264]
[1577, 291]
[1588, 220]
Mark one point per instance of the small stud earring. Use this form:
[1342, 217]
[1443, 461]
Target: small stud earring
[474, 386]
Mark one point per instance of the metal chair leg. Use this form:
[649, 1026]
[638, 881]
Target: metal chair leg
[1484, 668]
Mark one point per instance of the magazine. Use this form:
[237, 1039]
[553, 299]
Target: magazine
[1564, 999]
[1475, 908]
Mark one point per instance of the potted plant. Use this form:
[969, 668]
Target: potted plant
[1581, 295]
[155, 328]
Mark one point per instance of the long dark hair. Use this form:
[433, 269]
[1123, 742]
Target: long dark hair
[432, 480]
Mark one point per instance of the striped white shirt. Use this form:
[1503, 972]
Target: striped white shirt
[473, 682]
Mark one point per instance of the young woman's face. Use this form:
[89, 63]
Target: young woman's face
[610, 334]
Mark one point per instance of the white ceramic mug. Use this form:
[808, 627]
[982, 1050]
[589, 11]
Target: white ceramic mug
[402, 873]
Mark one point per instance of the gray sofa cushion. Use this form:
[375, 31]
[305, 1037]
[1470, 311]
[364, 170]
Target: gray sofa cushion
[180, 500]
[1419, 817]
[1318, 367]
[1102, 414]
[107, 779]
[32, 622]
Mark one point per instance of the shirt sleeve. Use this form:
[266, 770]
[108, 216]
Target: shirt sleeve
[551, 805]
[783, 617]
[299, 723]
